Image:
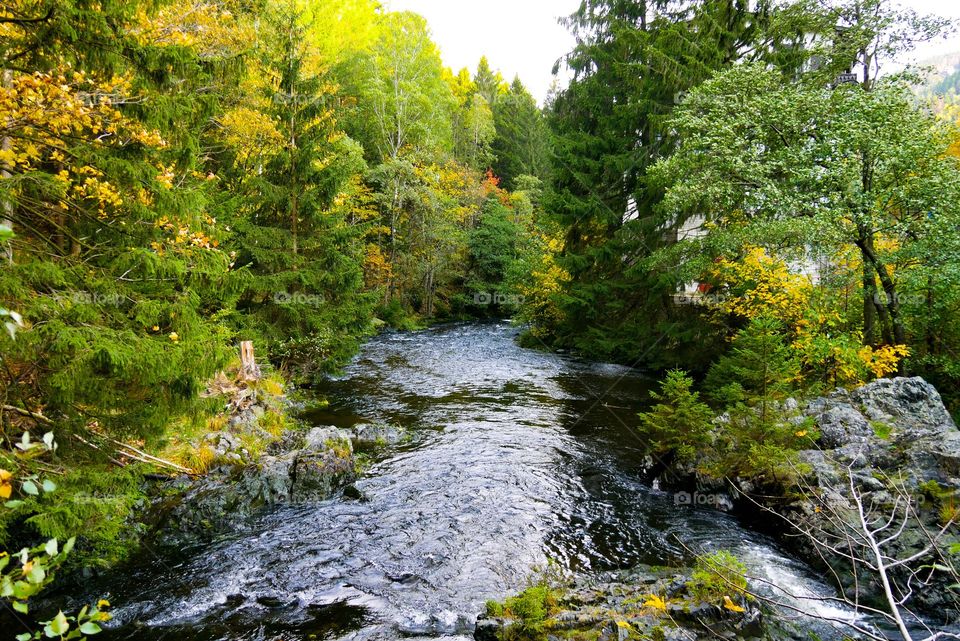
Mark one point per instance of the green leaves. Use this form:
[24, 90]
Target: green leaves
[57, 627]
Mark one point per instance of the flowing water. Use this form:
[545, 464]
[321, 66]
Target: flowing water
[516, 457]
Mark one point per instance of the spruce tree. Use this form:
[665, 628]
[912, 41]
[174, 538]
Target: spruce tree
[297, 253]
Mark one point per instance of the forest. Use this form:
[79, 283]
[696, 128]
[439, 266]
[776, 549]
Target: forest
[749, 200]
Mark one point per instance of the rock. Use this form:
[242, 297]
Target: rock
[615, 631]
[376, 434]
[228, 495]
[912, 403]
[317, 476]
[488, 629]
[840, 425]
[318, 438]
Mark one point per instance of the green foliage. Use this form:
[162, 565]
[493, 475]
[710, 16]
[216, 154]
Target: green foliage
[679, 422]
[751, 381]
[717, 575]
[492, 249]
[759, 370]
[528, 610]
[522, 143]
[631, 65]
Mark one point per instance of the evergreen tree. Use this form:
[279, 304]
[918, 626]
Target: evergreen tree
[631, 65]
[298, 255]
[679, 423]
[522, 143]
[488, 83]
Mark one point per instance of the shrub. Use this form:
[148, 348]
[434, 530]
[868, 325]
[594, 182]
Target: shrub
[680, 422]
[717, 575]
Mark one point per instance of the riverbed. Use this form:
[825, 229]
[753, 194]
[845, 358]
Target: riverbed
[518, 461]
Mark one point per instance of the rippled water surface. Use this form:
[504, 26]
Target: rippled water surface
[516, 457]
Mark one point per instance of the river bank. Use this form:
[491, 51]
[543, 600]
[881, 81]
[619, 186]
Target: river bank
[871, 502]
[512, 459]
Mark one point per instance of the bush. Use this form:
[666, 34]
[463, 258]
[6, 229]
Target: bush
[717, 575]
[680, 422]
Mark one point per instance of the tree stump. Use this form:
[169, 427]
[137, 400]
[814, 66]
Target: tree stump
[248, 364]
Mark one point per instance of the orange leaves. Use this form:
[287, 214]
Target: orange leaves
[182, 237]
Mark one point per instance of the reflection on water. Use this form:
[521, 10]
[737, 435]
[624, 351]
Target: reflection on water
[517, 457]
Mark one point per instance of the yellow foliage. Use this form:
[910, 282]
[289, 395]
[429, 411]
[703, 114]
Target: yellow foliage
[211, 28]
[547, 280]
[730, 605]
[761, 285]
[251, 133]
[656, 602]
[45, 113]
[377, 270]
[883, 360]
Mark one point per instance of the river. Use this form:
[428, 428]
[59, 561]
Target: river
[517, 458]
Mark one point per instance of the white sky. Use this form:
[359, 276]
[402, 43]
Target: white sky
[523, 37]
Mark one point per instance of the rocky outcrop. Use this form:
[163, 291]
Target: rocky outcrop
[640, 603]
[299, 466]
[895, 441]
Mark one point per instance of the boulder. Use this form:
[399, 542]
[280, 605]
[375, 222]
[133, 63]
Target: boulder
[912, 404]
[841, 425]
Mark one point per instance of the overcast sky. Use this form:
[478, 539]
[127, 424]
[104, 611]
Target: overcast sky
[523, 37]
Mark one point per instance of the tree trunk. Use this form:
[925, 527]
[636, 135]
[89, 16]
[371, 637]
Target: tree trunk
[5, 174]
[869, 304]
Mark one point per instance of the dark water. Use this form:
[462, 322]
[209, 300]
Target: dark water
[517, 458]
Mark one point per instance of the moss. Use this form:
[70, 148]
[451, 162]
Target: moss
[530, 610]
[882, 430]
[341, 448]
[494, 609]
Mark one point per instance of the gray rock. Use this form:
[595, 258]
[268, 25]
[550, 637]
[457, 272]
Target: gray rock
[840, 425]
[912, 403]
[317, 438]
[614, 632]
[369, 434]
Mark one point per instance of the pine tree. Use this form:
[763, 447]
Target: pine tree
[631, 65]
[296, 251]
[522, 143]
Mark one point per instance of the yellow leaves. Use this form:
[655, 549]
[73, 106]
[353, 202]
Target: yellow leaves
[182, 237]
[656, 602]
[377, 270]
[730, 605]
[251, 133]
[209, 28]
[6, 484]
[761, 285]
[165, 175]
[883, 360]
